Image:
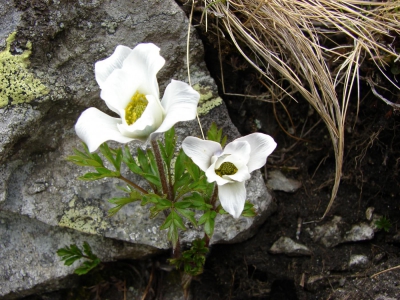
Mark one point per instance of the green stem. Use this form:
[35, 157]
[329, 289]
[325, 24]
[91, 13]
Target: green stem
[132, 184]
[161, 171]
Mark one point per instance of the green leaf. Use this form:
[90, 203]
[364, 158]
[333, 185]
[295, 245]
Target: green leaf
[68, 251]
[182, 183]
[87, 266]
[120, 202]
[188, 214]
[179, 167]
[220, 210]
[85, 158]
[143, 161]
[193, 170]
[102, 174]
[196, 201]
[72, 253]
[208, 219]
[162, 204]
[149, 198]
[70, 260]
[152, 179]
[249, 210]
[118, 158]
[153, 163]
[128, 159]
[215, 135]
[173, 222]
[193, 260]
[105, 150]
[88, 251]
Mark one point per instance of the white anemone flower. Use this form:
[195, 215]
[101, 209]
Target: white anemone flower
[129, 87]
[230, 167]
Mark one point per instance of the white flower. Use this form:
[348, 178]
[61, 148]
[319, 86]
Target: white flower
[230, 167]
[129, 87]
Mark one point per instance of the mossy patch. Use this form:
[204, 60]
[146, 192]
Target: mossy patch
[17, 84]
[207, 99]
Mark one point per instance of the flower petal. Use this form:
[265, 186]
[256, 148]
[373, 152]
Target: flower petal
[232, 197]
[119, 88]
[239, 149]
[145, 61]
[261, 146]
[180, 104]
[95, 127]
[103, 68]
[200, 151]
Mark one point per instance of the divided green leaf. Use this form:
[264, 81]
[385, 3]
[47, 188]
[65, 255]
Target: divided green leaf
[208, 219]
[249, 210]
[215, 135]
[120, 202]
[72, 253]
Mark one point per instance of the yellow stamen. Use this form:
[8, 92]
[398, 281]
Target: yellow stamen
[226, 168]
[135, 108]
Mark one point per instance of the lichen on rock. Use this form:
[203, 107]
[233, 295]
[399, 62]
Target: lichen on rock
[17, 84]
[207, 99]
[88, 219]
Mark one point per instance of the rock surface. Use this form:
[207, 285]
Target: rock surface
[39, 196]
[279, 182]
[285, 245]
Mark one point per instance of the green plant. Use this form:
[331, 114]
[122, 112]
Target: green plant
[72, 253]
[383, 223]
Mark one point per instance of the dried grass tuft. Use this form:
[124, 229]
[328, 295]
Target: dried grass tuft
[285, 35]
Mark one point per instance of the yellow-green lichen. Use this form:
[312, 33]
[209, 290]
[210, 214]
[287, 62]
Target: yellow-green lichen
[89, 219]
[17, 84]
[207, 99]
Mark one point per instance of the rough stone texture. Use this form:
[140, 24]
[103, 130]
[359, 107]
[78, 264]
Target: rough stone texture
[328, 234]
[278, 182]
[285, 245]
[358, 261]
[359, 232]
[38, 189]
[37, 255]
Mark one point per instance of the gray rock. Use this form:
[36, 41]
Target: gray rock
[369, 212]
[358, 261]
[278, 182]
[328, 234]
[29, 262]
[359, 232]
[285, 245]
[39, 194]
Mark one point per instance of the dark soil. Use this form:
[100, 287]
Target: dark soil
[370, 179]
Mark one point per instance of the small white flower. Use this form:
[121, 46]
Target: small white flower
[129, 87]
[230, 167]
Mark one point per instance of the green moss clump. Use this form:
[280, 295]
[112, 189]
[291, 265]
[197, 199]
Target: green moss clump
[17, 84]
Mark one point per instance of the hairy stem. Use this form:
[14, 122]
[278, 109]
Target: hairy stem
[132, 184]
[161, 171]
[214, 196]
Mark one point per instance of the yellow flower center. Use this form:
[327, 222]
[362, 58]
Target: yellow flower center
[135, 108]
[226, 168]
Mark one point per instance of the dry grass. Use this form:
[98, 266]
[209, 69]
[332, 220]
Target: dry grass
[288, 38]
